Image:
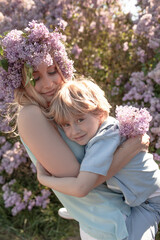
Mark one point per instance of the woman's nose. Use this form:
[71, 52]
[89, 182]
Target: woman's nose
[47, 82]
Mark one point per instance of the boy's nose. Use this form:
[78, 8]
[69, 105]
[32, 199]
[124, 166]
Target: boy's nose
[74, 129]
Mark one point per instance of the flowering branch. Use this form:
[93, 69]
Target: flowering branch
[132, 121]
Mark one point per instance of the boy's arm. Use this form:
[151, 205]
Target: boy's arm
[78, 186]
[124, 154]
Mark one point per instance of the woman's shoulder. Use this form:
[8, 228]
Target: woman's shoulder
[28, 116]
[28, 112]
[29, 109]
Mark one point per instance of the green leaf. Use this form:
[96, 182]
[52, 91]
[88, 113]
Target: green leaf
[29, 74]
[4, 64]
[33, 82]
[25, 35]
[5, 33]
[1, 50]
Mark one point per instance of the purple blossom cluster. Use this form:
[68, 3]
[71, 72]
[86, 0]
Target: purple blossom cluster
[18, 13]
[156, 157]
[12, 158]
[148, 25]
[32, 46]
[25, 200]
[132, 121]
[142, 88]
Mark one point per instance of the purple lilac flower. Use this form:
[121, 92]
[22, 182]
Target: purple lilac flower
[32, 46]
[19, 206]
[43, 200]
[156, 157]
[31, 204]
[76, 51]
[2, 140]
[18, 202]
[26, 195]
[141, 54]
[12, 158]
[132, 121]
[115, 91]
[2, 180]
[97, 63]
[118, 80]
[33, 168]
[155, 74]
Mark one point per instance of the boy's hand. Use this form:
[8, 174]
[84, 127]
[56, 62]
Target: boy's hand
[145, 141]
[41, 171]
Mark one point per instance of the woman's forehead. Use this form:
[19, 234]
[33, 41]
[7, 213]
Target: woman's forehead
[42, 67]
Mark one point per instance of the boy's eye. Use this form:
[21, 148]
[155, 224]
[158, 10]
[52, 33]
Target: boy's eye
[66, 125]
[80, 120]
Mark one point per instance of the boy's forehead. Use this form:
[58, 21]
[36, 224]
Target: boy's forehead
[72, 117]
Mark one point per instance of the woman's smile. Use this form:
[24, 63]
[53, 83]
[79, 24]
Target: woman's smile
[50, 93]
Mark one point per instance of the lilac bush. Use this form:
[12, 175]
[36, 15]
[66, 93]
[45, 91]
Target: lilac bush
[27, 199]
[15, 196]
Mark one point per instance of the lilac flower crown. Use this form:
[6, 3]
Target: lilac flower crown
[26, 50]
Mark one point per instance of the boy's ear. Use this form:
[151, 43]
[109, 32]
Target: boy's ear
[101, 118]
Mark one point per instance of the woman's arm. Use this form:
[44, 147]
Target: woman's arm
[123, 155]
[45, 143]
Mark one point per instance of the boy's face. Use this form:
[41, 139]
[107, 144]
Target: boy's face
[82, 128]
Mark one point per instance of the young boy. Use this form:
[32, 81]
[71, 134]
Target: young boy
[81, 109]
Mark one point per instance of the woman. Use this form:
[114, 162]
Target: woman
[34, 77]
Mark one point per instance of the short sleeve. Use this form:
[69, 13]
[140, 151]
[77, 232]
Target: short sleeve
[30, 154]
[100, 150]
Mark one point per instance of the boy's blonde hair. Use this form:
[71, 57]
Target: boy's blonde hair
[78, 97]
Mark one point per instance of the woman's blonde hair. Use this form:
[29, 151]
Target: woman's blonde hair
[24, 95]
[78, 97]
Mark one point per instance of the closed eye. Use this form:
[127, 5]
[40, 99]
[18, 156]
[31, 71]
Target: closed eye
[52, 73]
[36, 79]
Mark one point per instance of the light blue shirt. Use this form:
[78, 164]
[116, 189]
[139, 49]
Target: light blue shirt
[137, 180]
[101, 212]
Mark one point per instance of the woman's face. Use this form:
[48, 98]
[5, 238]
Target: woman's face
[47, 80]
